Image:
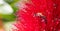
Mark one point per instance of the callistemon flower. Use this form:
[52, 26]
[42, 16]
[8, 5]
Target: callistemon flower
[38, 15]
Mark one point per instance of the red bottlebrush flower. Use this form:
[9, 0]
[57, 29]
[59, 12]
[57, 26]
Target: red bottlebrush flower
[38, 15]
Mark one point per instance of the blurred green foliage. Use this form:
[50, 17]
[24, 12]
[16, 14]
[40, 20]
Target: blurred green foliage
[11, 17]
[12, 3]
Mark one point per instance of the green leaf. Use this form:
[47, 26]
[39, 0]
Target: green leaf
[15, 8]
[8, 18]
[11, 1]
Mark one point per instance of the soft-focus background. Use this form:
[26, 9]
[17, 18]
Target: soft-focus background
[8, 10]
